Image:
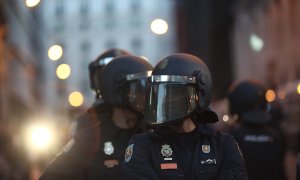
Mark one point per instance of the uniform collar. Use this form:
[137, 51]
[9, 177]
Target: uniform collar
[203, 129]
[108, 126]
[165, 133]
[104, 111]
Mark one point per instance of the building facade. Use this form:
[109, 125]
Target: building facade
[87, 28]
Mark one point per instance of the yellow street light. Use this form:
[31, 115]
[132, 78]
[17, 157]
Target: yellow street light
[39, 136]
[63, 71]
[76, 99]
[55, 52]
[159, 26]
[270, 95]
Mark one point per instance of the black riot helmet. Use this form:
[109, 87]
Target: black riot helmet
[247, 100]
[96, 66]
[123, 81]
[179, 87]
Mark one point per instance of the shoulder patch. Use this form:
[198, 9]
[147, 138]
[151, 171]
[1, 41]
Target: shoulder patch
[128, 153]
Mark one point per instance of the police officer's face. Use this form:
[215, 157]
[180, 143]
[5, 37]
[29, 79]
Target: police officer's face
[124, 118]
[131, 116]
[184, 126]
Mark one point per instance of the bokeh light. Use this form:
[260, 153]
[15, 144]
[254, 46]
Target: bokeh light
[76, 99]
[225, 118]
[39, 136]
[159, 26]
[63, 71]
[270, 95]
[281, 94]
[55, 52]
[32, 3]
[298, 88]
[256, 42]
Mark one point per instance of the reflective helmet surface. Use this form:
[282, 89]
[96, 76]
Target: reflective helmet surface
[96, 66]
[247, 99]
[179, 86]
[123, 81]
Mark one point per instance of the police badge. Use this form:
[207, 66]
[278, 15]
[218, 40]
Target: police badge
[206, 148]
[108, 148]
[166, 151]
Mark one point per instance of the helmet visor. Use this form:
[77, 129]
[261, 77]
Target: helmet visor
[135, 90]
[166, 102]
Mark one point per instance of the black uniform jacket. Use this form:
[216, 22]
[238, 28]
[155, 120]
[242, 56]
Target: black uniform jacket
[204, 154]
[95, 152]
[263, 148]
[107, 163]
[70, 163]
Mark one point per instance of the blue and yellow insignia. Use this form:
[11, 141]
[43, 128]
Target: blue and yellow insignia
[206, 148]
[128, 153]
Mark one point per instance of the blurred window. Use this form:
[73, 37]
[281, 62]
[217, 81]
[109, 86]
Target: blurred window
[84, 15]
[135, 6]
[84, 8]
[59, 8]
[136, 45]
[59, 15]
[85, 47]
[109, 8]
[135, 9]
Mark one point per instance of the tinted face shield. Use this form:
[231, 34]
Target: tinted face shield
[135, 90]
[170, 99]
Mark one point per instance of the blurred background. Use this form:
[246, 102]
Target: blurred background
[46, 46]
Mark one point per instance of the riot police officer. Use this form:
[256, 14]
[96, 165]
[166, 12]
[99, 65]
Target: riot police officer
[181, 145]
[96, 66]
[103, 132]
[262, 145]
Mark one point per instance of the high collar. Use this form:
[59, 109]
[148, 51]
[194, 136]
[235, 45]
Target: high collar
[167, 133]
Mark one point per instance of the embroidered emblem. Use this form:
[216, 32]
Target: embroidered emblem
[128, 153]
[166, 151]
[108, 148]
[206, 148]
[163, 64]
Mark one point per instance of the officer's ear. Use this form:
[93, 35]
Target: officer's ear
[201, 88]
